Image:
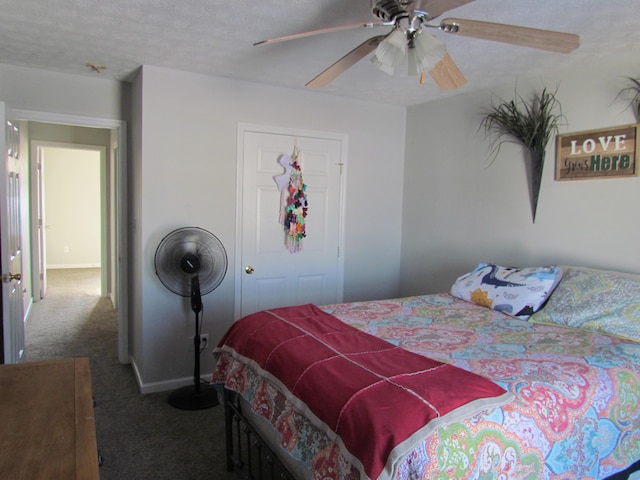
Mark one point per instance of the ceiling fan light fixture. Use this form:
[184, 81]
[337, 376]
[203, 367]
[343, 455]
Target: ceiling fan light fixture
[390, 52]
[428, 50]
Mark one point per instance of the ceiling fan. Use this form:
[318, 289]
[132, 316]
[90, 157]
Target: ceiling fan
[409, 38]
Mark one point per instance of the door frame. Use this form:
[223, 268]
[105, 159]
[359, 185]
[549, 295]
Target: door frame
[119, 251]
[292, 132]
[37, 221]
[36, 201]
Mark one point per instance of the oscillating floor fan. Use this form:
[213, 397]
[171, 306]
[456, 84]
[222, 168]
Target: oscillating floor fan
[192, 262]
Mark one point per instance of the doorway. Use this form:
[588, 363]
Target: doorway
[70, 207]
[64, 129]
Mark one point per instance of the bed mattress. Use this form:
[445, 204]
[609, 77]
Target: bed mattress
[576, 407]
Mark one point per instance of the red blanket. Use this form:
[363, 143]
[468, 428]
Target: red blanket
[379, 399]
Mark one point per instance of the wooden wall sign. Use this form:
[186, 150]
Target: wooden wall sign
[605, 153]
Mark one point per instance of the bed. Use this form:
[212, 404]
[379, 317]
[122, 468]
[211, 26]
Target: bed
[553, 351]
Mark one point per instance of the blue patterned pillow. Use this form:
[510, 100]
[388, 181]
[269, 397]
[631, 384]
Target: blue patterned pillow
[518, 292]
[597, 300]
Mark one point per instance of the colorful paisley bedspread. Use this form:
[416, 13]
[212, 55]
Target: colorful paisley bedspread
[576, 412]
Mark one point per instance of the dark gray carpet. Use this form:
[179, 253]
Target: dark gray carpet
[139, 436]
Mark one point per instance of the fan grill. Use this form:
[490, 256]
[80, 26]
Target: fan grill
[187, 252]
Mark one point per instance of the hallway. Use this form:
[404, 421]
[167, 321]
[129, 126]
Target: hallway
[72, 320]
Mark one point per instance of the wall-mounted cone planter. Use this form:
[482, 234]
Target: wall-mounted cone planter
[530, 124]
[534, 165]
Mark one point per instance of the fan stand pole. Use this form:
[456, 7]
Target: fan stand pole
[197, 396]
[196, 360]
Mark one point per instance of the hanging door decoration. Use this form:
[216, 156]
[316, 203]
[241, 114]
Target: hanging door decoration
[293, 201]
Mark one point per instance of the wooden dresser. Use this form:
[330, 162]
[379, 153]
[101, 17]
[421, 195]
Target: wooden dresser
[47, 426]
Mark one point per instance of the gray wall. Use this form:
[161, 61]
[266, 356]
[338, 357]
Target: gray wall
[423, 205]
[461, 209]
[186, 134]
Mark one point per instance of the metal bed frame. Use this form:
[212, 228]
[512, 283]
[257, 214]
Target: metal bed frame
[247, 452]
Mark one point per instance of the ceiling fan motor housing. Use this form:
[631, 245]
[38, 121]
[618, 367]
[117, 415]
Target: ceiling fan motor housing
[388, 10]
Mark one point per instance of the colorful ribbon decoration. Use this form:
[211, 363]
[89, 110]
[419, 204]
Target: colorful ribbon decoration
[294, 206]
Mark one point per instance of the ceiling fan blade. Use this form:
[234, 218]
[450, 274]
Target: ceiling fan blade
[346, 62]
[447, 75]
[559, 42]
[321, 31]
[435, 8]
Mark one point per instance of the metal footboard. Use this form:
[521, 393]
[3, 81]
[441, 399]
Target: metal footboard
[247, 452]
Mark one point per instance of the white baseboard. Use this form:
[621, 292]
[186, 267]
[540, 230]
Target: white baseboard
[164, 386]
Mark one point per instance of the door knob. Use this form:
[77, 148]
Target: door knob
[7, 278]
[249, 269]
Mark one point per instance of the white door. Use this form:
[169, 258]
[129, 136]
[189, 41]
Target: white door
[270, 275]
[11, 245]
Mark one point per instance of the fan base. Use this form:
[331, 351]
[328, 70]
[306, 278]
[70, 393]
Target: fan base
[187, 398]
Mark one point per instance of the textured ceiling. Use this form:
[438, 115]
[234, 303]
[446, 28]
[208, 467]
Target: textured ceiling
[215, 37]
